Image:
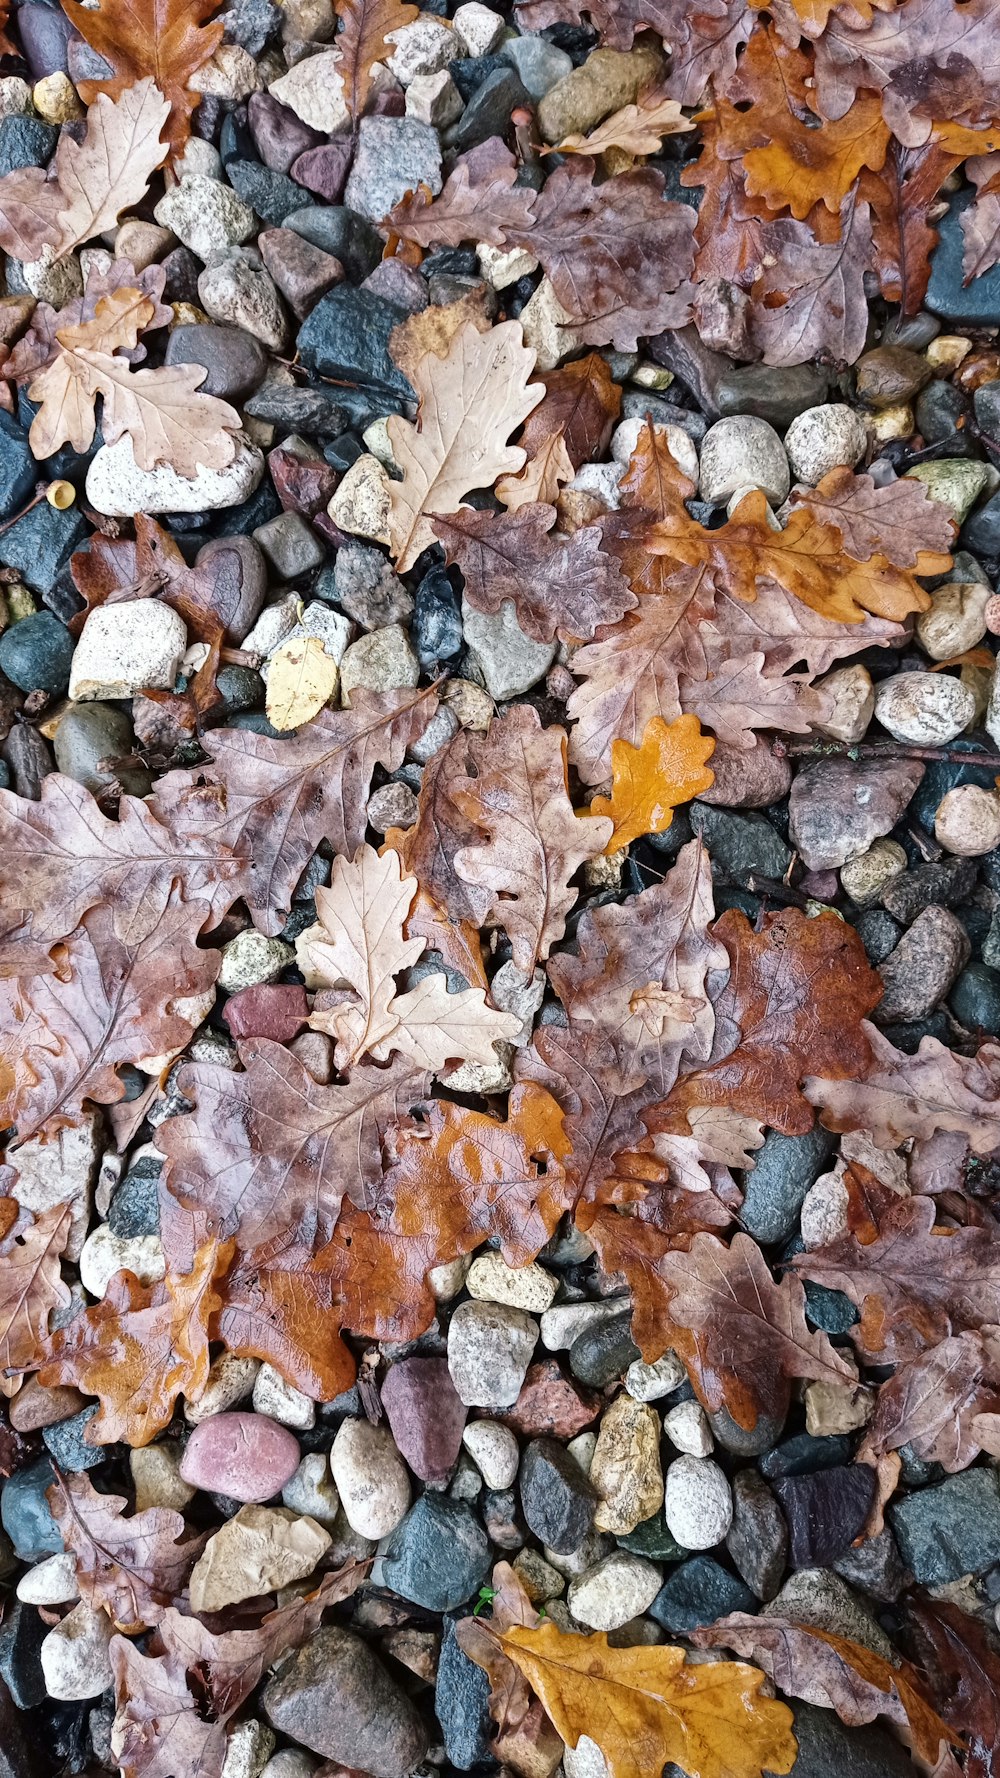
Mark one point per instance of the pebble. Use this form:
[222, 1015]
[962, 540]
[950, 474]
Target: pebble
[489, 1350]
[824, 1210]
[87, 735]
[51, 1582]
[259, 1550]
[311, 1491]
[61, 1170]
[426, 1417]
[697, 1593]
[511, 662]
[74, 1655]
[823, 1601]
[605, 82]
[268, 1010]
[614, 1590]
[25, 1513]
[833, 1408]
[205, 215]
[948, 882]
[314, 90]
[439, 1556]
[370, 1478]
[954, 482]
[626, 1469]
[917, 975]
[557, 1499]
[837, 807]
[334, 1696]
[118, 487]
[823, 438]
[956, 620]
[104, 1253]
[740, 842]
[462, 1702]
[550, 1403]
[360, 505]
[825, 1511]
[866, 878]
[538, 63]
[975, 999]
[494, 1449]
[528, 1287]
[234, 361]
[739, 452]
[247, 1456]
[967, 821]
[274, 1395]
[757, 1539]
[381, 661]
[250, 958]
[601, 1353]
[126, 648]
[37, 653]
[237, 291]
[230, 1380]
[777, 395]
[156, 1477]
[687, 1428]
[925, 708]
[698, 1504]
[784, 1169]
[393, 156]
[951, 1529]
[651, 1382]
[850, 703]
[561, 1326]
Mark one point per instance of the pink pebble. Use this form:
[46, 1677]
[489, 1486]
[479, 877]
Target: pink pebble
[250, 1457]
[270, 1009]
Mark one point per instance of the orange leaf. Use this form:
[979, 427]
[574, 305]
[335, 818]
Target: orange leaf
[167, 39]
[649, 781]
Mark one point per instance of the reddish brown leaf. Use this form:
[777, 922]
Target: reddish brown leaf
[900, 522]
[279, 1306]
[565, 586]
[897, 1097]
[167, 39]
[931, 1403]
[963, 1670]
[134, 1567]
[31, 1285]
[159, 1731]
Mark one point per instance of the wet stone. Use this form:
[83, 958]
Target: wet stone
[556, 1497]
[757, 1539]
[603, 1352]
[698, 1592]
[826, 1511]
[462, 1704]
[439, 1556]
[335, 1697]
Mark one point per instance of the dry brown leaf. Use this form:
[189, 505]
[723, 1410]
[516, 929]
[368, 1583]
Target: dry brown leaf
[159, 1730]
[301, 678]
[899, 1097]
[565, 586]
[637, 129]
[279, 1305]
[470, 403]
[433, 329]
[165, 39]
[31, 1286]
[480, 200]
[358, 944]
[365, 37]
[535, 843]
[934, 1403]
[109, 171]
[900, 522]
[132, 1568]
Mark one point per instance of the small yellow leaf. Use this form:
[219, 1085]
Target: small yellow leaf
[301, 679]
[649, 781]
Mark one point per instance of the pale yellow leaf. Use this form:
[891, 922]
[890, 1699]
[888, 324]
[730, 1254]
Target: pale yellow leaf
[66, 389]
[435, 1027]
[110, 169]
[301, 678]
[470, 403]
[635, 128]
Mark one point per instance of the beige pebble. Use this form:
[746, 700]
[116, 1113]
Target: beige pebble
[967, 821]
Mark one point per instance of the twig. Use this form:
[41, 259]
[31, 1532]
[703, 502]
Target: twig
[885, 750]
[771, 888]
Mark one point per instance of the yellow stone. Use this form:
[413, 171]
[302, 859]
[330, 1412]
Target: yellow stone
[55, 99]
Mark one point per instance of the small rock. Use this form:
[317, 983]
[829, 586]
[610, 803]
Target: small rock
[866, 878]
[258, 1551]
[601, 1352]
[303, 273]
[423, 47]
[823, 438]
[826, 1511]
[439, 1556]
[919, 972]
[697, 1593]
[520, 1287]
[75, 1655]
[539, 64]
[334, 1696]
[626, 437]
[785, 1167]
[650, 1382]
[247, 1456]
[37, 653]
[956, 620]
[687, 1428]
[426, 1417]
[393, 156]
[824, 1210]
[739, 452]
[61, 1170]
[698, 1503]
[479, 27]
[434, 99]
[90, 734]
[975, 999]
[104, 1253]
[311, 1492]
[757, 1539]
[605, 82]
[267, 1011]
[945, 884]
[890, 374]
[511, 662]
[314, 90]
[381, 661]
[127, 648]
[740, 843]
[360, 504]
[774, 394]
[837, 807]
[25, 1513]
[365, 586]
[493, 1448]
[251, 957]
[837, 1408]
[205, 215]
[954, 482]
[967, 821]
[850, 697]
[747, 780]
[370, 1476]
[156, 1477]
[613, 1591]
[462, 1694]
[118, 487]
[549, 1403]
[489, 1350]
[951, 1529]
[234, 360]
[51, 1582]
[925, 708]
[557, 1499]
[237, 291]
[626, 1470]
[548, 328]
[274, 1395]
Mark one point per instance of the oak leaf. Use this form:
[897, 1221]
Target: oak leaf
[470, 402]
[571, 425]
[704, 42]
[20, 952]
[270, 1152]
[565, 586]
[31, 1286]
[158, 1730]
[272, 801]
[898, 1097]
[798, 989]
[278, 1305]
[429, 848]
[516, 1712]
[637, 129]
[930, 61]
[934, 1401]
[358, 943]
[602, 1112]
[810, 301]
[364, 38]
[900, 522]
[458, 1180]
[645, 1707]
[901, 196]
[301, 678]
[834, 1673]
[165, 39]
[534, 841]
[650, 781]
[110, 1002]
[981, 220]
[963, 1669]
[480, 200]
[133, 1568]
[65, 856]
[138, 1349]
[915, 1283]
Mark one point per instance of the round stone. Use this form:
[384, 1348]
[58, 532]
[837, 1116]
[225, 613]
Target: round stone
[37, 653]
[75, 1655]
[825, 438]
[956, 620]
[698, 1506]
[247, 1456]
[967, 821]
[928, 709]
[614, 1590]
[489, 1350]
[742, 451]
[371, 1478]
[494, 1450]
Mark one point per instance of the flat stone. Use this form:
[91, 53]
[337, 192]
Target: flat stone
[258, 1551]
[520, 1287]
[268, 1010]
[462, 1704]
[335, 1697]
[117, 486]
[740, 843]
[89, 734]
[539, 64]
[280, 136]
[247, 1456]
[826, 1511]
[757, 1539]
[823, 1601]
[393, 156]
[825, 1745]
[955, 483]
[951, 1529]
[976, 303]
[25, 1513]
[837, 807]
[696, 1593]
[381, 661]
[346, 338]
[439, 1556]
[557, 1499]
[511, 662]
[917, 975]
[605, 82]
[426, 1416]
[773, 393]
[235, 362]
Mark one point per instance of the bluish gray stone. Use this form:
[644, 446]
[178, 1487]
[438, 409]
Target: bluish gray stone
[952, 1529]
[827, 1746]
[785, 1168]
[698, 1592]
[438, 1556]
[18, 468]
[740, 841]
[347, 335]
[25, 142]
[271, 194]
[37, 653]
[41, 542]
[25, 1513]
[341, 231]
[462, 1704]
[67, 1444]
[975, 303]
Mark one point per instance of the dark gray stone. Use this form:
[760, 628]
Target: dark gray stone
[488, 111]
[786, 1166]
[803, 1454]
[28, 758]
[89, 733]
[875, 1567]
[600, 1354]
[829, 1310]
[22, 1633]
[271, 194]
[462, 1704]
[347, 335]
[981, 530]
[652, 1539]
[950, 1530]
[290, 545]
[335, 1697]
[365, 586]
[437, 619]
[298, 410]
[740, 842]
[135, 1207]
[975, 999]
[825, 1511]
[235, 362]
[757, 1539]
[919, 973]
[40, 544]
[237, 582]
[342, 232]
[37, 653]
[438, 1556]
[942, 412]
[18, 468]
[557, 1499]
[772, 393]
[25, 142]
[67, 1444]
[25, 1513]
[742, 1441]
[879, 933]
[947, 296]
[944, 884]
[241, 688]
[827, 1746]
[697, 1593]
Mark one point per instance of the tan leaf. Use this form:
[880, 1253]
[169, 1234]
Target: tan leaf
[470, 403]
[541, 478]
[29, 211]
[433, 329]
[30, 1288]
[301, 678]
[134, 1567]
[637, 128]
[109, 171]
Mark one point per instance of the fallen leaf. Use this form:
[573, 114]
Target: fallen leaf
[809, 301]
[981, 220]
[898, 1097]
[480, 200]
[645, 1707]
[158, 1730]
[364, 38]
[581, 1068]
[565, 586]
[132, 1568]
[901, 197]
[963, 1671]
[110, 169]
[650, 781]
[932, 1402]
[470, 403]
[943, 62]
[278, 1305]
[900, 522]
[138, 1349]
[580, 408]
[809, 1663]
[31, 1286]
[301, 679]
[165, 39]
[637, 129]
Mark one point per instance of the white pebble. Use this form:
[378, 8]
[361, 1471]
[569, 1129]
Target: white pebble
[252, 958]
[619, 1587]
[679, 443]
[849, 696]
[520, 1287]
[133, 646]
[494, 1450]
[925, 708]
[825, 438]
[105, 1253]
[687, 1428]
[699, 1505]
[230, 1381]
[741, 450]
[967, 821]
[273, 1395]
[650, 1382]
[489, 1350]
[249, 1747]
[75, 1655]
[117, 486]
[371, 1478]
[314, 90]
[51, 1582]
[956, 620]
